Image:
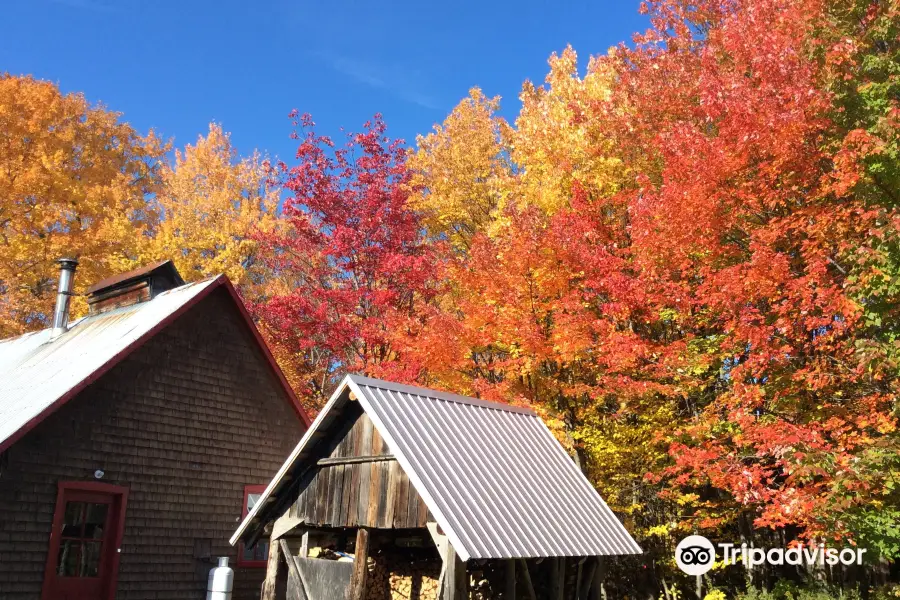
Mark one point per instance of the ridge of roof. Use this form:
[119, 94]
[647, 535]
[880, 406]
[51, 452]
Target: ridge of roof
[438, 394]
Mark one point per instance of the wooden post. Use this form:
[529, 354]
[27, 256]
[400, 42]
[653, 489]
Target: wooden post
[304, 545]
[360, 565]
[274, 572]
[526, 575]
[597, 590]
[558, 578]
[510, 589]
[455, 577]
[589, 580]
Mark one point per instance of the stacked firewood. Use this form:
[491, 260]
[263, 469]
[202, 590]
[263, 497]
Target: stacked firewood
[392, 579]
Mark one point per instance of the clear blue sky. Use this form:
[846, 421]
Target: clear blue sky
[176, 65]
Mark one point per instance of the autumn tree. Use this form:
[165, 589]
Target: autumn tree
[73, 183]
[461, 171]
[211, 203]
[350, 260]
[764, 212]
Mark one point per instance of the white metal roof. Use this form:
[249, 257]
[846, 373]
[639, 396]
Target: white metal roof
[36, 372]
[497, 481]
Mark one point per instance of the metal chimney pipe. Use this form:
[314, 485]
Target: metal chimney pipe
[64, 294]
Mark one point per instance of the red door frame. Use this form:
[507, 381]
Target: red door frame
[120, 495]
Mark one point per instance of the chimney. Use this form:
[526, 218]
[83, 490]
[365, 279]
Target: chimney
[133, 287]
[64, 294]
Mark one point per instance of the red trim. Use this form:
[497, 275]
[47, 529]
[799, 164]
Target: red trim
[220, 281]
[121, 501]
[249, 489]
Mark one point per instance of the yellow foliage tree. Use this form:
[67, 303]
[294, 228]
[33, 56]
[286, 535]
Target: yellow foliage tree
[559, 139]
[460, 169]
[209, 202]
[73, 182]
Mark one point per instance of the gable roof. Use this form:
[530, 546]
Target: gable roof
[494, 477]
[38, 374]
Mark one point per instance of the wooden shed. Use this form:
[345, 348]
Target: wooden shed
[416, 493]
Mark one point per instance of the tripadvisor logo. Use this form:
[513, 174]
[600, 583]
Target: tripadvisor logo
[695, 555]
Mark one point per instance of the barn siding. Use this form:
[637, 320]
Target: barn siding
[359, 493]
[185, 423]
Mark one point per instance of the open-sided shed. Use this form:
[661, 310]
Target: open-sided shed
[401, 476]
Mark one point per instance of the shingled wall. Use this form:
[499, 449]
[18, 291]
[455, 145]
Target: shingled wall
[185, 423]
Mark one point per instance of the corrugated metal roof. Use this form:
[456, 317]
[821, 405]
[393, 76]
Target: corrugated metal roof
[497, 481]
[36, 372]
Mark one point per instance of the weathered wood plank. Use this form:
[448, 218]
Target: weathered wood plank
[401, 499]
[424, 514]
[323, 495]
[344, 498]
[390, 499]
[375, 494]
[311, 492]
[412, 506]
[334, 502]
[325, 578]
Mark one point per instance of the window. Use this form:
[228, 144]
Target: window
[258, 554]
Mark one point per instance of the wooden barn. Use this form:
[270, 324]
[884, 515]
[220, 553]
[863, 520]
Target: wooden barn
[133, 439]
[405, 492]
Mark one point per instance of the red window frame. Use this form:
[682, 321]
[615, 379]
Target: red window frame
[241, 562]
[121, 494]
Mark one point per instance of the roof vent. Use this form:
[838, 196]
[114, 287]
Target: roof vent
[133, 287]
[64, 295]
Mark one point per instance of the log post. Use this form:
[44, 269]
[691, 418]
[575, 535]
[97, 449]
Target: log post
[597, 590]
[455, 577]
[274, 573]
[510, 589]
[526, 576]
[589, 580]
[558, 578]
[360, 565]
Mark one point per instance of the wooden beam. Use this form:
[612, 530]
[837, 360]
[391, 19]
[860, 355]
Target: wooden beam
[353, 460]
[526, 575]
[295, 582]
[360, 565]
[274, 572]
[510, 588]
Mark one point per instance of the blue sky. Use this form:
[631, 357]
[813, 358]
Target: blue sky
[175, 66]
